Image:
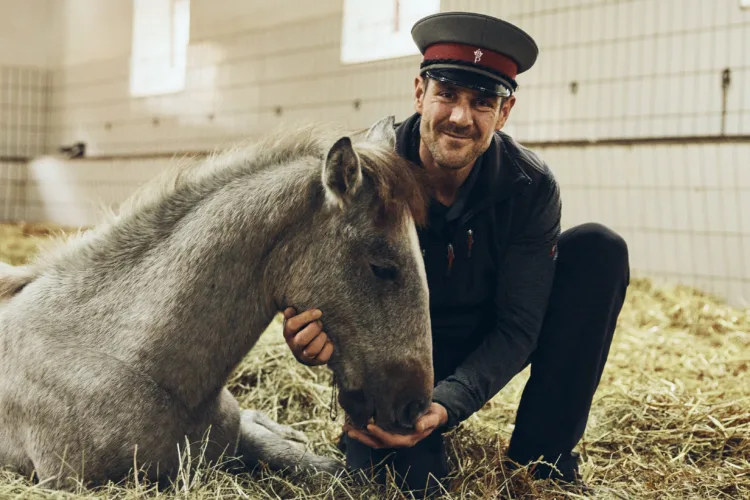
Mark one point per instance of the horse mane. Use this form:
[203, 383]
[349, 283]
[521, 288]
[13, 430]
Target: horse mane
[222, 166]
[401, 187]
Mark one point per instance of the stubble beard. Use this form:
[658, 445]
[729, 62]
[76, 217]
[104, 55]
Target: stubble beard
[453, 162]
[448, 166]
[449, 163]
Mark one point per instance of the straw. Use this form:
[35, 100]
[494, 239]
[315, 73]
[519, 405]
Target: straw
[670, 420]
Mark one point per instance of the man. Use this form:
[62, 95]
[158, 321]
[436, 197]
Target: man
[507, 288]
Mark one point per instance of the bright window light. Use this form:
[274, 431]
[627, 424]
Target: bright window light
[158, 59]
[382, 29]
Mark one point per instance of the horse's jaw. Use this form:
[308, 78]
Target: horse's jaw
[357, 407]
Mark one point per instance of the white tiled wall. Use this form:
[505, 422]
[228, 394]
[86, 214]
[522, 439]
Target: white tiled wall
[26, 32]
[75, 193]
[641, 69]
[23, 111]
[684, 210]
[13, 179]
[25, 44]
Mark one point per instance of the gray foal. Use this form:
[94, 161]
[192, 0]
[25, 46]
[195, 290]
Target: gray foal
[115, 346]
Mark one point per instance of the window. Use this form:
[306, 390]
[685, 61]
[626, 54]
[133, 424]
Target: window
[382, 29]
[158, 59]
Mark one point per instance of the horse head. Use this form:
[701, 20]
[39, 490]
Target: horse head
[362, 266]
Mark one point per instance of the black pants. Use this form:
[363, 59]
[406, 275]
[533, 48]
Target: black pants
[587, 295]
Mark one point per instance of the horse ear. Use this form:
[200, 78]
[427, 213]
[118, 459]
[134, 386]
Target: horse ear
[342, 172]
[384, 131]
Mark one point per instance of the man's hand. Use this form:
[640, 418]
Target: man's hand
[375, 437]
[305, 337]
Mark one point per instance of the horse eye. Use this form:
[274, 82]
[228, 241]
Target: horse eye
[384, 273]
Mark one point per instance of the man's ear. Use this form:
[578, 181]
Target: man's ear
[505, 112]
[420, 87]
[342, 173]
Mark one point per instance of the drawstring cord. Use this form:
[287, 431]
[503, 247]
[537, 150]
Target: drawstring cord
[452, 254]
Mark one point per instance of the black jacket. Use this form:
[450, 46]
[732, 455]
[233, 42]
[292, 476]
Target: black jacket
[490, 260]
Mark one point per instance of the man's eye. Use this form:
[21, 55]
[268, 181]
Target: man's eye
[484, 104]
[446, 95]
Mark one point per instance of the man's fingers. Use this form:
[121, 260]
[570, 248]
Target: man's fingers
[377, 438]
[313, 348]
[390, 440]
[326, 353]
[307, 335]
[295, 323]
[427, 422]
[289, 312]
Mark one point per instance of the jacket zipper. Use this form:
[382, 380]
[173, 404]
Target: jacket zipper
[451, 257]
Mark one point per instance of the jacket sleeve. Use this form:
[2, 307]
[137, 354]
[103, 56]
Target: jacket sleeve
[524, 283]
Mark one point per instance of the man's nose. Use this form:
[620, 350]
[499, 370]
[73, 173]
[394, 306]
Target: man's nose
[461, 114]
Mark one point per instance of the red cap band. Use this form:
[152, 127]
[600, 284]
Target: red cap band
[474, 55]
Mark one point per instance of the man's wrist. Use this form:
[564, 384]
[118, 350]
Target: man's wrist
[451, 397]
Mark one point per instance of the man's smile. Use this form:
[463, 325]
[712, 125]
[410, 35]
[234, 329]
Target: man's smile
[458, 137]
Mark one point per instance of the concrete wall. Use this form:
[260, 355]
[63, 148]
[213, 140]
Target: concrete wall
[76, 193]
[627, 68]
[26, 38]
[23, 111]
[639, 69]
[13, 180]
[683, 209]
[26, 35]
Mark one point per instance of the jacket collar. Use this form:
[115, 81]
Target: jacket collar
[500, 175]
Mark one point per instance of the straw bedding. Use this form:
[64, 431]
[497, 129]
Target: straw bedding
[671, 418]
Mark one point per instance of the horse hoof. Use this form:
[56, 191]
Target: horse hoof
[328, 465]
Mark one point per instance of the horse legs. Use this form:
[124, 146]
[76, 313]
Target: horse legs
[280, 447]
[283, 431]
[263, 440]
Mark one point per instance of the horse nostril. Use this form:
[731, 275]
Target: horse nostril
[412, 411]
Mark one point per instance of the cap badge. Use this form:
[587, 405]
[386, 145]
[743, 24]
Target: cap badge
[478, 55]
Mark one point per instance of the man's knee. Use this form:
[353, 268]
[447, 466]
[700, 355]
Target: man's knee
[600, 247]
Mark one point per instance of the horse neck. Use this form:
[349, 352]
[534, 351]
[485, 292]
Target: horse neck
[199, 299]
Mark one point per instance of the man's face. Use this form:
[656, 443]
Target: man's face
[457, 123]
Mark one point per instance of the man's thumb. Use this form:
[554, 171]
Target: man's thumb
[426, 423]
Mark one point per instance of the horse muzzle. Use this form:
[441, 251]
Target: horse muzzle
[394, 399]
